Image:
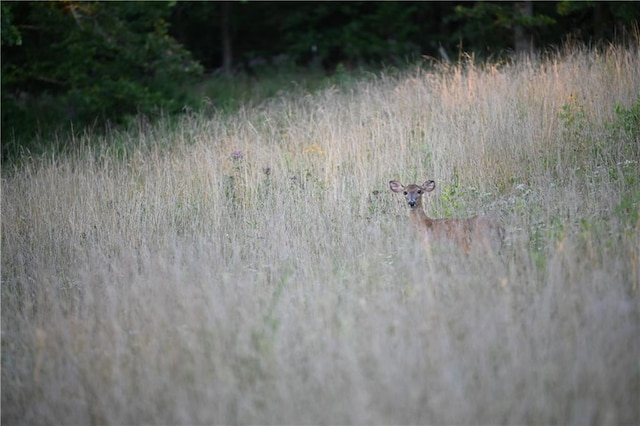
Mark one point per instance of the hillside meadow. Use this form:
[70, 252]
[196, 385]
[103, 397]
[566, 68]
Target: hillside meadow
[255, 268]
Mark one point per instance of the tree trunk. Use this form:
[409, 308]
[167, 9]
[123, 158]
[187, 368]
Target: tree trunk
[227, 58]
[599, 21]
[523, 42]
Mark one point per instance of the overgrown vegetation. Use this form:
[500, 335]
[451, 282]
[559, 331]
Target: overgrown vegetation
[255, 268]
[70, 67]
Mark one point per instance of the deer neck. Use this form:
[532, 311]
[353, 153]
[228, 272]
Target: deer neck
[419, 218]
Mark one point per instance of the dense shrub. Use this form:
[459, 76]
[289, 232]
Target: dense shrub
[87, 62]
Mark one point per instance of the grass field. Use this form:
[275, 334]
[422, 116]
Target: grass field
[255, 268]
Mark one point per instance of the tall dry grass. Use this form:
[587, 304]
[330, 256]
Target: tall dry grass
[255, 268]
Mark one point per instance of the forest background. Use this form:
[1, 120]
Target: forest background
[68, 65]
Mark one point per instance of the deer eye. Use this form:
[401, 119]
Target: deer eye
[405, 192]
[419, 192]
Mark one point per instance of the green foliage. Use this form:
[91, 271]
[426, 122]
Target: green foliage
[10, 34]
[612, 148]
[452, 199]
[485, 26]
[628, 210]
[622, 140]
[576, 132]
[367, 32]
[628, 119]
[83, 62]
[597, 20]
[623, 11]
[626, 128]
[566, 7]
[573, 116]
[596, 149]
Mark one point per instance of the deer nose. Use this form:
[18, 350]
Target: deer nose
[412, 203]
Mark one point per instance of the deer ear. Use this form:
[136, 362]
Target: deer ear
[429, 186]
[396, 186]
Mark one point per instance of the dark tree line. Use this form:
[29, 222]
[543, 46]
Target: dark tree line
[88, 61]
[364, 32]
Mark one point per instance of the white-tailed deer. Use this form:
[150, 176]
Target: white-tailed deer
[476, 231]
